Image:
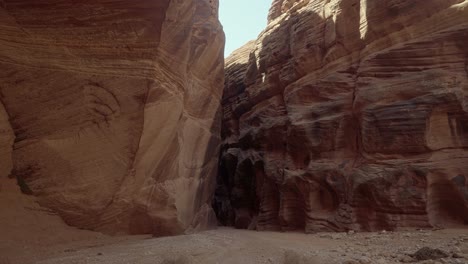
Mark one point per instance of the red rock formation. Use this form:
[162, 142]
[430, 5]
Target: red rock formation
[349, 114]
[115, 109]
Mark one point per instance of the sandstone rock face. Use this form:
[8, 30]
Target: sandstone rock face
[348, 114]
[115, 109]
[7, 138]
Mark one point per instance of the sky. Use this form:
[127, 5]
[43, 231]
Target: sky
[242, 21]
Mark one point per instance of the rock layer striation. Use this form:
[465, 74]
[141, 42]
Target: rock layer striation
[115, 110]
[348, 114]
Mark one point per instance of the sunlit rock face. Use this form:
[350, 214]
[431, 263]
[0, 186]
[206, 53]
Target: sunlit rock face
[348, 114]
[115, 109]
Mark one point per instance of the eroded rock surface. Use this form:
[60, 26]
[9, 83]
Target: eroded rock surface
[115, 109]
[348, 114]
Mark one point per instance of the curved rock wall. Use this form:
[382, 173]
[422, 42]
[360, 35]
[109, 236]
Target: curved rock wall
[115, 108]
[348, 114]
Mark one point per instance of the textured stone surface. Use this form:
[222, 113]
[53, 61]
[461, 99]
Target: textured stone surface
[348, 114]
[6, 144]
[115, 109]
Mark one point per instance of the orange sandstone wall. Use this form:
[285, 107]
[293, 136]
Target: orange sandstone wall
[115, 109]
[348, 114]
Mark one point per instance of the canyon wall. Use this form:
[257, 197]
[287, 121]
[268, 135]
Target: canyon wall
[348, 115]
[112, 110]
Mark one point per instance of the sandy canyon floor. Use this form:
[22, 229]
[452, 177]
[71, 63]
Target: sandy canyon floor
[31, 234]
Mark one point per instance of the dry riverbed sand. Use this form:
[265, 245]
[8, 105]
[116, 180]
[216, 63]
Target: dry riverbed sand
[240, 246]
